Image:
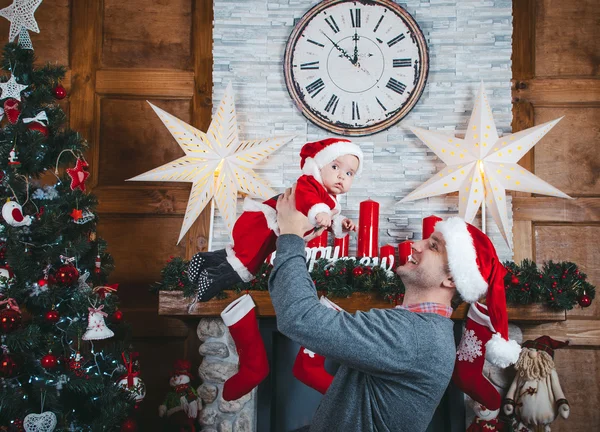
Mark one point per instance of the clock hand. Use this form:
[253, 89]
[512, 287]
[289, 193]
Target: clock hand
[355, 39]
[340, 49]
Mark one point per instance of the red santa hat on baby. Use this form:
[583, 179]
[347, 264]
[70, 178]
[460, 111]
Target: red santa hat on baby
[315, 155]
[476, 270]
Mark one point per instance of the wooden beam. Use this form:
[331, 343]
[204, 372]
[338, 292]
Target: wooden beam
[578, 332]
[168, 199]
[172, 303]
[523, 57]
[146, 83]
[548, 209]
[523, 246]
[558, 91]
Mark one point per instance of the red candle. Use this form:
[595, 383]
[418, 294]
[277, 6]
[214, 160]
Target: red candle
[319, 241]
[429, 225]
[368, 229]
[404, 251]
[388, 252]
[343, 244]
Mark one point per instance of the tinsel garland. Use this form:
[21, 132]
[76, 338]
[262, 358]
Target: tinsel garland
[558, 285]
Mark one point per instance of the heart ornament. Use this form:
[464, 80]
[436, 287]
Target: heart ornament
[44, 422]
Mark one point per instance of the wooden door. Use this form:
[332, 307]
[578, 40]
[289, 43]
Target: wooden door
[556, 71]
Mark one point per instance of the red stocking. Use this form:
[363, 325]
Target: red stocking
[309, 367]
[240, 317]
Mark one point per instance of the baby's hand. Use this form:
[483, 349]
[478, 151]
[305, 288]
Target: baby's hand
[323, 219]
[348, 225]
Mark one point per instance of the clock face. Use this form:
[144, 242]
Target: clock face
[356, 67]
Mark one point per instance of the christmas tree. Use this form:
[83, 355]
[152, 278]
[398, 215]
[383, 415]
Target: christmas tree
[64, 345]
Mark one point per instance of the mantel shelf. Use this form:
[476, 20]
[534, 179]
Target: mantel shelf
[172, 303]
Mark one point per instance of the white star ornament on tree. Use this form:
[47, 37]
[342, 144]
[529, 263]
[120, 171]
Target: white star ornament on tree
[20, 14]
[482, 166]
[217, 163]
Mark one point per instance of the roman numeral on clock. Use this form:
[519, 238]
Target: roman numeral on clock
[355, 16]
[355, 113]
[397, 39]
[315, 87]
[311, 65]
[332, 24]
[402, 62]
[396, 86]
[332, 104]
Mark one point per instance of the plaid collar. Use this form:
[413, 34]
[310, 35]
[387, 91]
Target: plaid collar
[428, 307]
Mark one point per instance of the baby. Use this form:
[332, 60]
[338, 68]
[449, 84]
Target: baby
[328, 167]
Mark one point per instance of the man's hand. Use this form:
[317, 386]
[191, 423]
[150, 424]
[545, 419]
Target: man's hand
[289, 219]
[323, 219]
[348, 225]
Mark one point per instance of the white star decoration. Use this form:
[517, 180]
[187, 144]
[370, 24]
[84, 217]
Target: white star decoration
[20, 14]
[482, 165]
[216, 162]
[12, 89]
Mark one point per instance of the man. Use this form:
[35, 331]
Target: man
[395, 363]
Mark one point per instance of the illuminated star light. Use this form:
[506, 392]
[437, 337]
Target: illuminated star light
[482, 166]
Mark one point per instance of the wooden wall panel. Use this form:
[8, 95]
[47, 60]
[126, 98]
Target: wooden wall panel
[575, 243]
[133, 139]
[143, 34]
[567, 39]
[567, 156]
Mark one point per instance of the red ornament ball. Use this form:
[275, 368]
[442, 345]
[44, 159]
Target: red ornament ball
[584, 300]
[514, 280]
[59, 92]
[67, 275]
[49, 361]
[42, 282]
[129, 425]
[52, 316]
[9, 320]
[327, 273]
[358, 271]
[8, 366]
[118, 316]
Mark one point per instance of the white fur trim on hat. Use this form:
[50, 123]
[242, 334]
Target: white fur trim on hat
[336, 226]
[310, 168]
[237, 265]
[269, 212]
[462, 259]
[333, 151]
[315, 210]
[502, 352]
[237, 310]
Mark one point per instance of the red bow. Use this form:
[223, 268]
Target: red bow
[11, 303]
[129, 365]
[98, 311]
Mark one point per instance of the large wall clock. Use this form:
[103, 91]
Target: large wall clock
[356, 67]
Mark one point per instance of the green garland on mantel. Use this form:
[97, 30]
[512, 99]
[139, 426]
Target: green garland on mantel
[559, 285]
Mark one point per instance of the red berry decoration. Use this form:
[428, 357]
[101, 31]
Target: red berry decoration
[118, 316]
[9, 320]
[8, 366]
[584, 300]
[52, 316]
[514, 280]
[129, 425]
[42, 282]
[67, 275]
[49, 361]
[358, 271]
[59, 92]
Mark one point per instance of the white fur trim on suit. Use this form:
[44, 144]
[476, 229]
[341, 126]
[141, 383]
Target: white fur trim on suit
[315, 210]
[336, 226]
[502, 352]
[310, 168]
[335, 150]
[462, 259]
[237, 265]
[269, 212]
[237, 310]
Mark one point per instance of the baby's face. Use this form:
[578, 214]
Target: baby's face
[338, 175]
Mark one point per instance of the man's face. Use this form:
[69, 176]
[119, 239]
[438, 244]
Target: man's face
[428, 264]
[338, 175]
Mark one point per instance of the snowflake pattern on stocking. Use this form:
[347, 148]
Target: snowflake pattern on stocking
[470, 347]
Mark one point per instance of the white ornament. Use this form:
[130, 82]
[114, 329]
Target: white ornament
[469, 348]
[44, 422]
[12, 212]
[97, 328]
[12, 89]
[482, 166]
[137, 387]
[216, 162]
[20, 14]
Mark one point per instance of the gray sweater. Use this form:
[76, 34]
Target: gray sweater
[395, 364]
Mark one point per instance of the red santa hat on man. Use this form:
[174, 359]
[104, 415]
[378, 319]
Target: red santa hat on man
[315, 155]
[476, 270]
